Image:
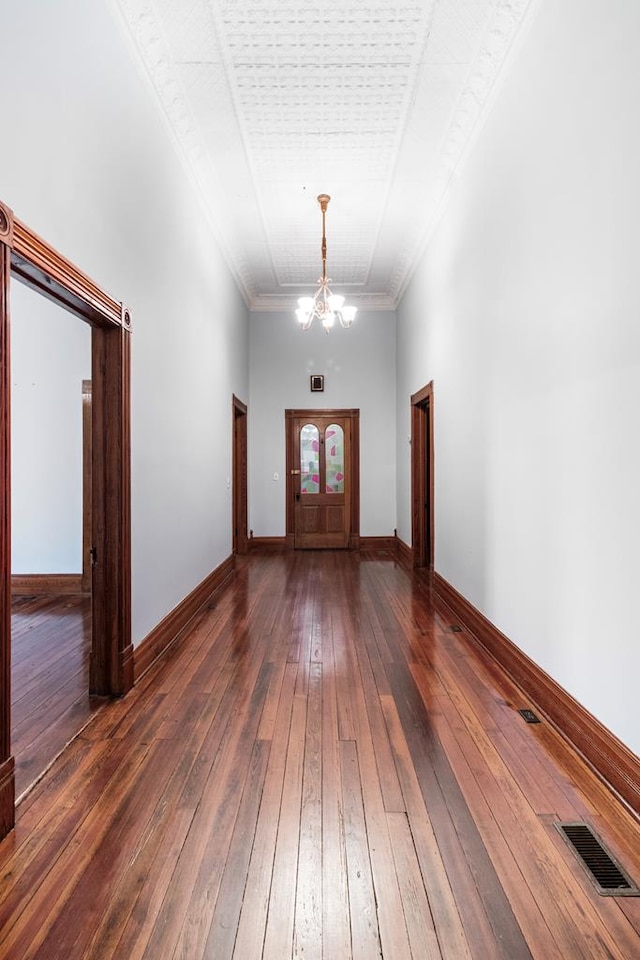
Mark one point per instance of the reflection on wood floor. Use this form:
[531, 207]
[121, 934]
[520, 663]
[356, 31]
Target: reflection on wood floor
[50, 646]
[320, 768]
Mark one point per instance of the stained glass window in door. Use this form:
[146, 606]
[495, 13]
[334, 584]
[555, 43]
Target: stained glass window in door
[309, 459]
[334, 455]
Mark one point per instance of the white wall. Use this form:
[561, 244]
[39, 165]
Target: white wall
[50, 357]
[87, 162]
[526, 314]
[359, 369]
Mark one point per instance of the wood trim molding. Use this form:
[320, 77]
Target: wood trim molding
[37, 264]
[7, 795]
[404, 553]
[111, 658]
[240, 504]
[6, 225]
[270, 544]
[354, 541]
[87, 460]
[167, 632]
[239, 405]
[7, 781]
[422, 477]
[613, 762]
[353, 412]
[377, 543]
[46, 584]
[420, 397]
[33, 259]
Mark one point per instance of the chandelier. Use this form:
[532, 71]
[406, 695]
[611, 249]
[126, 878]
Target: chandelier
[325, 305]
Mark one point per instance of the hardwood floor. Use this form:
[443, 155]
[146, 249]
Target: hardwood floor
[321, 768]
[50, 703]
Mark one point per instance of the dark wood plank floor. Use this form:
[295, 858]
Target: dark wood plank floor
[321, 768]
[50, 703]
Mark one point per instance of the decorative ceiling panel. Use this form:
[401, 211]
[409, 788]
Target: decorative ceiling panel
[272, 102]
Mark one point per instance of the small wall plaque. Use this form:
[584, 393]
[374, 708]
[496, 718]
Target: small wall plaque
[317, 382]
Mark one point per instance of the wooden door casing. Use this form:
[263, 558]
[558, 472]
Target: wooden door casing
[87, 541]
[422, 478]
[240, 499]
[31, 260]
[323, 520]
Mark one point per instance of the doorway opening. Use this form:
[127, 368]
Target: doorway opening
[26, 257]
[239, 496]
[50, 531]
[422, 478]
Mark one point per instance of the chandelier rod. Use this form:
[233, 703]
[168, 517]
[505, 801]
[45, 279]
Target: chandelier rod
[323, 200]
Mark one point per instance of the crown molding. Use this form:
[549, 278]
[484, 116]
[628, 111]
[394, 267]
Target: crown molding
[278, 304]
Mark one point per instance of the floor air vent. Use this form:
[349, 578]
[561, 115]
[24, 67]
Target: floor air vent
[529, 715]
[606, 874]
[454, 628]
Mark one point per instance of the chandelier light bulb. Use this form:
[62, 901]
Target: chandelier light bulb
[348, 315]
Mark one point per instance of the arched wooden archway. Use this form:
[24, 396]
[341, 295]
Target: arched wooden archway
[30, 259]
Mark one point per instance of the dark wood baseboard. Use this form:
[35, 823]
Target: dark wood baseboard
[404, 553]
[167, 631]
[280, 544]
[46, 584]
[7, 796]
[614, 763]
[127, 668]
[270, 544]
[377, 543]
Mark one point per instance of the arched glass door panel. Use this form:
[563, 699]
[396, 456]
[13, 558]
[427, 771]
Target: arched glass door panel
[334, 458]
[309, 459]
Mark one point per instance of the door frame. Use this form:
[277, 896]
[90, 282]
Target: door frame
[239, 494]
[352, 414]
[87, 541]
[422, 477]
[30, 259]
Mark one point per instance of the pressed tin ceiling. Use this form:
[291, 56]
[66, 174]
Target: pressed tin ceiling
[272, 102]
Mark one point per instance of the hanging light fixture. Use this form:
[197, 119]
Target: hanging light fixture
[325, 305]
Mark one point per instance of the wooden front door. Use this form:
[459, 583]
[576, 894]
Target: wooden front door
[322, 472]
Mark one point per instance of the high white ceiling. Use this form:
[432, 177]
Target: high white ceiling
[272, 102]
